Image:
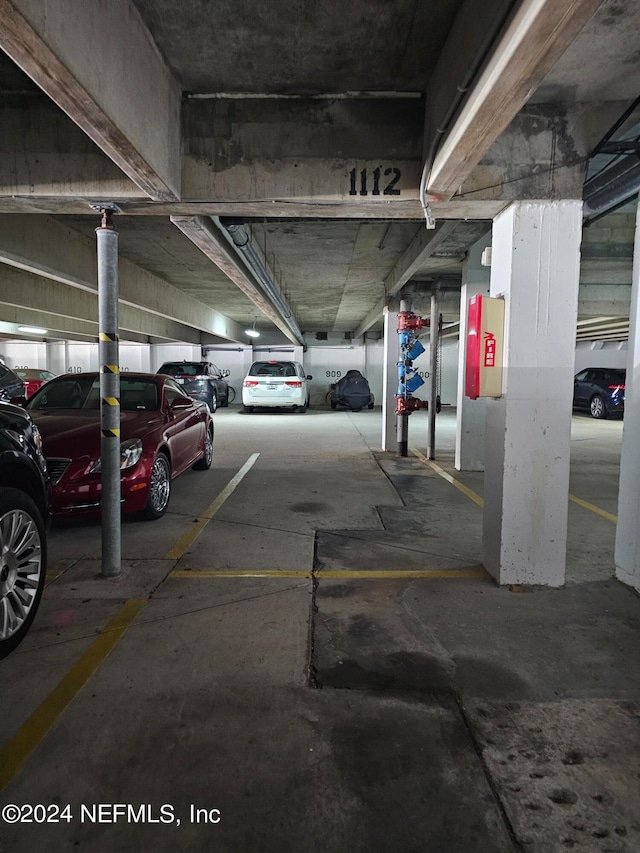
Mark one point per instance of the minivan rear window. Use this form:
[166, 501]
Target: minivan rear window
[272, 368]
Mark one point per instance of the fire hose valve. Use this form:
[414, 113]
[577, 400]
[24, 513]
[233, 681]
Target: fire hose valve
[409, 320]
[407, 405]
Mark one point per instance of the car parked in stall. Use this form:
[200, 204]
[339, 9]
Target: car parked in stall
[32, 379]
[10, 384]
[163, 433]
[276, 384]
[600, 391]
[24, 512]
[352, 391]
[201, 380]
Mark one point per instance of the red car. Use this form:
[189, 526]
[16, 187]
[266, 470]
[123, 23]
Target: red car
[32, 379]
[163, 432]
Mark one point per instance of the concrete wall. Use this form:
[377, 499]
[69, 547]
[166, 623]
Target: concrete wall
[326, 362]
[601, 354]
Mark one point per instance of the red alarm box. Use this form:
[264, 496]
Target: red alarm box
[485, 337]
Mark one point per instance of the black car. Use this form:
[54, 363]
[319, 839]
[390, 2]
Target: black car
[200, 380]
[10, 384]
[351, 392]
[24, 513]
[600, 391]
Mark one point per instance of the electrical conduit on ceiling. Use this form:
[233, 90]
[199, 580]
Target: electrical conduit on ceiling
[239, 237]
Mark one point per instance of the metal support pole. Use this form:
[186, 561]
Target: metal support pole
[433, 369]
[107, 239]
[402, 421]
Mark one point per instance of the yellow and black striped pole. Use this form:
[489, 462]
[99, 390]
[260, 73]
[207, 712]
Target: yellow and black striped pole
[107, 239]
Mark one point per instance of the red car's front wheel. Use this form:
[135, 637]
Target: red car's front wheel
[159, 488]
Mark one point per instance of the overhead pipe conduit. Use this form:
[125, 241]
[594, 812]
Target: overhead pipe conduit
[241, 240]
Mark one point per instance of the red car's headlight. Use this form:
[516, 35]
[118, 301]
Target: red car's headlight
[130, 453]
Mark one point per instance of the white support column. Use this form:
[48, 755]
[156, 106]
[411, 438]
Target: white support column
[470, 414]
[627, 550]
[389, 380]
[535, 266]
[56, 360]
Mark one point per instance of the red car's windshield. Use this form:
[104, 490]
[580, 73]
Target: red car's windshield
[83, 392]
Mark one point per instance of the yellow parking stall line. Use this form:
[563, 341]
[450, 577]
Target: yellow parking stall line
[198, 526]
[385, 574]
[593, 508]
[477, 499]
[375, 574]
[16, 751]
[231, 573]
[464, 489]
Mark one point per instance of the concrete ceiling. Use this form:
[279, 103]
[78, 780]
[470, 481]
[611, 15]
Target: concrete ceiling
[313, 124]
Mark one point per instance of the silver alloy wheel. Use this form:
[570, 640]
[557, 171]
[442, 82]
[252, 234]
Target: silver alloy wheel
[597, 407]
[208, 449]
[21, 566]
[160, 485]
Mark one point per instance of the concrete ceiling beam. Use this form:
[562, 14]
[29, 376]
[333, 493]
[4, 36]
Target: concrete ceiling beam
[32, 299]
[423, 245]
[87, 70]
[52, 250]
[207, 237]
[537, 35]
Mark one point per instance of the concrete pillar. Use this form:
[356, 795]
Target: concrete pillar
[470, 414]
[627, 550]
[535, 266]
[389, 379]
[56, 359]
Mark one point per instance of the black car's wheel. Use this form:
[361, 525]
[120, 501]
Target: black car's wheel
[204, 463]
[23, 564]
[597, 407]
[159, 489]
[213, 401]
[333, 405]
[224, 402]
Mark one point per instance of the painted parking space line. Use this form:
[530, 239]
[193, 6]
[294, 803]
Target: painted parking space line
[17, 750]
[460, 486]
[593, 508]
[232, 573]
[478, 500]
[345, 574]
[195, 529]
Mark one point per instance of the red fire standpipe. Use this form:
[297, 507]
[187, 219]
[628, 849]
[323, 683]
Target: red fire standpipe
[434, 367]
[402, 417]
[408, 380]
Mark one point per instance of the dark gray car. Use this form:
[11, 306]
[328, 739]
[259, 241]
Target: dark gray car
[23, 516]
[201, 380]
[600, 391]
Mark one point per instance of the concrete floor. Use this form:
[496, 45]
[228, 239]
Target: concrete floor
[272, 679]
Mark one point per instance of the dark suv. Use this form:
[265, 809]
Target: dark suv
[24, 514]
[200, 380]
[10, 384]
[600, 390]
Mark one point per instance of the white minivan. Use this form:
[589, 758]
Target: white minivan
[276, 384]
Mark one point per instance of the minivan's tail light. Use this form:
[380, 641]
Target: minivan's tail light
[294, 384]
[616, 387]
[250, 383]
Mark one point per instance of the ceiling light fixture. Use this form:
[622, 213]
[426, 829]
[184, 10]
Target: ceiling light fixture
[252, 332]
[33, 330]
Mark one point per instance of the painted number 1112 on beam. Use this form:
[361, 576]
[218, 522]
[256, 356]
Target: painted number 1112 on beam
[365, 182]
